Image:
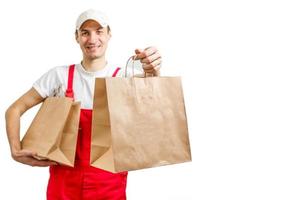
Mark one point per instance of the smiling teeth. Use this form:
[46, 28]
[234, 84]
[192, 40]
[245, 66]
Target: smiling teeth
[92, 47]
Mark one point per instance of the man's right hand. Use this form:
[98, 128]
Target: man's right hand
[27, 157]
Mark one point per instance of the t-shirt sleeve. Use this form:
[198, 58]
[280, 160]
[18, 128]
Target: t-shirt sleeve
[47, 83]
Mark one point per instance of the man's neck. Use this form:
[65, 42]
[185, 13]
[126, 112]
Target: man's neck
[92, 65]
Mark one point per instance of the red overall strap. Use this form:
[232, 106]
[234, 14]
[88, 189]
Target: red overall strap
[116, 71]
[69, 91]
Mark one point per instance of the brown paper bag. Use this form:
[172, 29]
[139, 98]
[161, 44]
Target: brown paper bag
[53, 132]
[138, 123]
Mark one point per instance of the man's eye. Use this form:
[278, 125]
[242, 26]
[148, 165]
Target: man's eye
[84, 33]
[99, 32]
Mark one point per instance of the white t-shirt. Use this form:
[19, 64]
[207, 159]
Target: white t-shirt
[55, 82]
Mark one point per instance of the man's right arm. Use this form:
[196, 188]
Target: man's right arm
[12, 116]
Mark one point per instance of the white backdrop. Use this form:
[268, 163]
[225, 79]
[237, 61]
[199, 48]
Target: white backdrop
[239, 62]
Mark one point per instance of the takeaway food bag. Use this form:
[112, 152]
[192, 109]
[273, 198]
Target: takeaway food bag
[138, 123]
[53, 132]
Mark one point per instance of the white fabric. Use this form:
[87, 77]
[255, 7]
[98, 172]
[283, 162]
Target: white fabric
[96, 15]
[55, 82]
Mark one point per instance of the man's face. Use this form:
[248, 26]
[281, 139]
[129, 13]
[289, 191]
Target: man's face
[93, 39]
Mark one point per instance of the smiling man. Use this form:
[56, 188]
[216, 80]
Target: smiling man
[82, 182]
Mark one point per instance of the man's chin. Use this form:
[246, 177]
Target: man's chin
[93, 56]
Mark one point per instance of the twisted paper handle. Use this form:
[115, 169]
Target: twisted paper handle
[133, 60]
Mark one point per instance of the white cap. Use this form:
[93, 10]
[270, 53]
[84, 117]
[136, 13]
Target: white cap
[91, 14]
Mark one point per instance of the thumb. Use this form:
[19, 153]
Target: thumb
[138, 51]
[25, 152]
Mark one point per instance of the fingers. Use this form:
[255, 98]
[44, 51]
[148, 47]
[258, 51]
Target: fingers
[34, 162]
[152, 67]
[151, 58]
[141, 54]
[43, 163]
[27, 157]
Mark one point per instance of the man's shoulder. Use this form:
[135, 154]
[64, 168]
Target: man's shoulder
[57, 72]
[62, 67]
[59, 69]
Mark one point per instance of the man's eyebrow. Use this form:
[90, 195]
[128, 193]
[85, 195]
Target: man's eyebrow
[82, 30]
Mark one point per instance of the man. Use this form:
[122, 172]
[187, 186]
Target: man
[83, 181]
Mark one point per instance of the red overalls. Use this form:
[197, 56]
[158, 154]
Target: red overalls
[84, 182]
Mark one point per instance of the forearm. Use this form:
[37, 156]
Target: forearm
[12, 117]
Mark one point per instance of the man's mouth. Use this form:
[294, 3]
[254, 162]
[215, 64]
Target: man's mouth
[93, 47]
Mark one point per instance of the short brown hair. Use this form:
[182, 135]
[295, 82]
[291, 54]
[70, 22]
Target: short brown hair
[108, 30]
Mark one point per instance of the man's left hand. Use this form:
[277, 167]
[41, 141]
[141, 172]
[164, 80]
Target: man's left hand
[151, 60]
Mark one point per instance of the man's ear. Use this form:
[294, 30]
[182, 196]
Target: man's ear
[76, 36]
[109, 35]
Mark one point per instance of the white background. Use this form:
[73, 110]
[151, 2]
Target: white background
[239, 62]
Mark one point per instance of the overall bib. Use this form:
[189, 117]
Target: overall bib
[84, 182]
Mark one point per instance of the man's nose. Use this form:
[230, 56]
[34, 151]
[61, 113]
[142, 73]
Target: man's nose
[93, 37]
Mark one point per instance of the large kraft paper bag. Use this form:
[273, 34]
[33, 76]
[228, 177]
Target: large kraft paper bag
[138, 123]
[53, 132]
